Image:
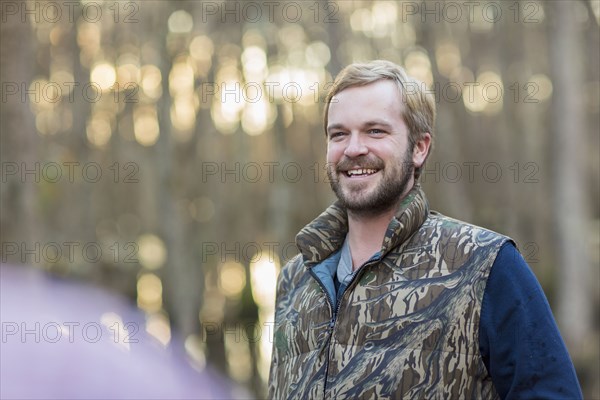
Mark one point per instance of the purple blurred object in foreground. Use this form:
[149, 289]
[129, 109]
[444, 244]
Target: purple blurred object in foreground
[55, 344]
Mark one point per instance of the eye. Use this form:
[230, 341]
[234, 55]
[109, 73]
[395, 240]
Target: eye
[376, 131]
[337, 134]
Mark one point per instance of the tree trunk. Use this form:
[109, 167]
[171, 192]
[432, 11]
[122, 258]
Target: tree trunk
[19, 141]
[569, 134]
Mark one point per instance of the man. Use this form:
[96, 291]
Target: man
[390, 300]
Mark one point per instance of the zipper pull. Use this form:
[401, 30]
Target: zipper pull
[328, 333]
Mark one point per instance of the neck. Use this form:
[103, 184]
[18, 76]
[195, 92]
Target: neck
[366, 232]
[365, 235]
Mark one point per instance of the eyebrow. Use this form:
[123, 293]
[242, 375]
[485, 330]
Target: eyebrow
[366, 124]
[334, 127]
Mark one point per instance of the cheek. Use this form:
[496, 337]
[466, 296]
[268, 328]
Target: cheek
[334, 152]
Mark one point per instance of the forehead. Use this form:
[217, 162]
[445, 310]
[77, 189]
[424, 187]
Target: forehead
[378, 99]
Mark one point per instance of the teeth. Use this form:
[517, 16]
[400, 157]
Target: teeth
[363, 171]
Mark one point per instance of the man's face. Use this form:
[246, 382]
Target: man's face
[369, 160]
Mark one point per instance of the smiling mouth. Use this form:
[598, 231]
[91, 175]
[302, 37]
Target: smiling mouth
[360, 172]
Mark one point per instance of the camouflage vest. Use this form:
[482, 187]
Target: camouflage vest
[406, 327]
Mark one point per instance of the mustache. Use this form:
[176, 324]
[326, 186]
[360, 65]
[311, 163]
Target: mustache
[346, 163]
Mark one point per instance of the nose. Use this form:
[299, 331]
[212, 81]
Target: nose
[356, 146]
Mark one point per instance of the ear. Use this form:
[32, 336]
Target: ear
[421, 149]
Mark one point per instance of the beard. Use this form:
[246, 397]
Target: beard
[385, 196]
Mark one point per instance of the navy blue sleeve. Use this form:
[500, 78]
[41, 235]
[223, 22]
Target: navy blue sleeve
[518, 337]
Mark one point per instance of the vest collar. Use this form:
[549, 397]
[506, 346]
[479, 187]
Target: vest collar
[326, 233]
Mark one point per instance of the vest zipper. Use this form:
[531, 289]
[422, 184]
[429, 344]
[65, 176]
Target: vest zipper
[329, 300]
[331, 326]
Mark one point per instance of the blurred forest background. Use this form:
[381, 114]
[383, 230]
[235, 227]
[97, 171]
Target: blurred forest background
[171, 150]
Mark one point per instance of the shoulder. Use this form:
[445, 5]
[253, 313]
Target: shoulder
[511, 274]
[293, 265]
[453, 224]
[290, 272]
[450, 230]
